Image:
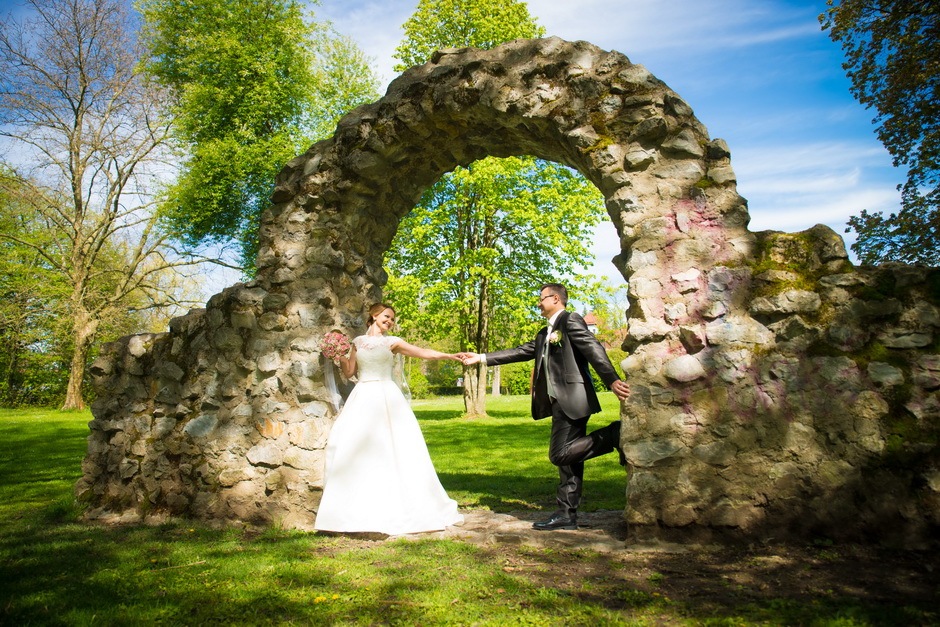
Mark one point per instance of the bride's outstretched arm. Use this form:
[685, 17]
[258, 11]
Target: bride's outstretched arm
[404, 348]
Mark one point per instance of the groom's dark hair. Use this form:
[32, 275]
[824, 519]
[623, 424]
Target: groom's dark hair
[558, 290]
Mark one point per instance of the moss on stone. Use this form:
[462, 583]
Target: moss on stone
[881, 288]
[799, 254]
[602, 142]
[904, 446]
[933, 287]
[876, 351]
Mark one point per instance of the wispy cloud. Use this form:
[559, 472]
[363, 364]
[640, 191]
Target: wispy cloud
[688, 27]
[794, 187]
[770, 161]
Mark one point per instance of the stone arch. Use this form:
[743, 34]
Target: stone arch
[226, 416]
[572, 103]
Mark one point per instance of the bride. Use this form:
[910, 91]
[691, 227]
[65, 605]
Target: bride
[379, 476]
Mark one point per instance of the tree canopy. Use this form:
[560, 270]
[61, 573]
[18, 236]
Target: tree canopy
[892, 50]
[485, 24]
[482, 241]
[255, 82]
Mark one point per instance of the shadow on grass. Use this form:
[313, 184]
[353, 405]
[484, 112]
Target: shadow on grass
[436, 415]
[76, 574]
[54, 570]
[35, 454]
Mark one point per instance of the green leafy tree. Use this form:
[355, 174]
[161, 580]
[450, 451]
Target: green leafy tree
[485, 24]
[87, 130]
[31, 314]
[610, 307]
[255, 84]
[37, 342]
[468, 260]
[893, 60]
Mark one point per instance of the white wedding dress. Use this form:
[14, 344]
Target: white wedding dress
[379, 476]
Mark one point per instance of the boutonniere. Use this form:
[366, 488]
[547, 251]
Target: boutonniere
[555, 337]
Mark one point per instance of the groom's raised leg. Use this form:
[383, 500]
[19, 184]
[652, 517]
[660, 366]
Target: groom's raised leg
[598, 442]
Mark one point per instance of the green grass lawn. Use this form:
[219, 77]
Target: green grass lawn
[57, 570]
[501, 462]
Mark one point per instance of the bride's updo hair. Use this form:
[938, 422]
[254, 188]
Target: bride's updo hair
[376, 309]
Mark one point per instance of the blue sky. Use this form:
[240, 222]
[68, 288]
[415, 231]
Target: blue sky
[759, 74]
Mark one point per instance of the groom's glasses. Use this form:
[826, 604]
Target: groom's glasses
[544, 297]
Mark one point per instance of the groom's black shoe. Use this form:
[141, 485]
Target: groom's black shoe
[623, 458]
[558, 520]
[614, 435]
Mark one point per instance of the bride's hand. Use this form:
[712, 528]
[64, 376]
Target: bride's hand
[468, 359]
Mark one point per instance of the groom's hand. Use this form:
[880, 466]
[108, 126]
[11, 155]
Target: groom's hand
[621, 389]
[468, 359]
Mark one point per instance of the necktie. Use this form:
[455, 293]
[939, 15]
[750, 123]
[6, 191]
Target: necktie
[548, 378]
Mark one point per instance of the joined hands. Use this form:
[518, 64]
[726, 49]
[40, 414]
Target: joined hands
[468, 359]
[620, 388]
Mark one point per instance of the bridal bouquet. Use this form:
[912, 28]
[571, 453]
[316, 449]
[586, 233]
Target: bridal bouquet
[335, 345]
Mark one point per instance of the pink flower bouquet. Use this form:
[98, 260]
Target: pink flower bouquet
[335, 345]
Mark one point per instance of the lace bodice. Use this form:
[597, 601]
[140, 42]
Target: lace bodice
[374, 357]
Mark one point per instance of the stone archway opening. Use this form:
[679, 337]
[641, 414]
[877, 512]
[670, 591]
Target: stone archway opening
[735, 337]
[532, 220]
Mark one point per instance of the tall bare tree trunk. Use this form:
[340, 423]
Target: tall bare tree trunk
[474, 390]
[497, 382]
[84, 331]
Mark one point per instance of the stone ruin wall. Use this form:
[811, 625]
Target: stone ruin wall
[778, 391]
[809, 409]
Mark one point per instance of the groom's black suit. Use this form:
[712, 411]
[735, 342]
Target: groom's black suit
[573, 400]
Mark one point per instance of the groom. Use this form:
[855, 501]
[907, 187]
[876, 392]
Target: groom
[562, 389]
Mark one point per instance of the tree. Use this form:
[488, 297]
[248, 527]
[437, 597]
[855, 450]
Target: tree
[610, 308]
[254, 85]
[893, 60]
[86, 129]
[35, 314]
[468, 260]
[30, 311]
[485, 24]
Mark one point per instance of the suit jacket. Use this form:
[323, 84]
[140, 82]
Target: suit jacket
[567, 366]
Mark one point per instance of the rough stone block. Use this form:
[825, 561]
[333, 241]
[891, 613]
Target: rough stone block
[201, 426]
[649, 452]
[267, 453]
[789, 302]
[716, 453]
[684, 368]
[885, 375]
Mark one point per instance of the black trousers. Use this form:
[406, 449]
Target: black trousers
[570, 446]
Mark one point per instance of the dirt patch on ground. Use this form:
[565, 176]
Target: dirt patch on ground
[597, 563]
[715, 580]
